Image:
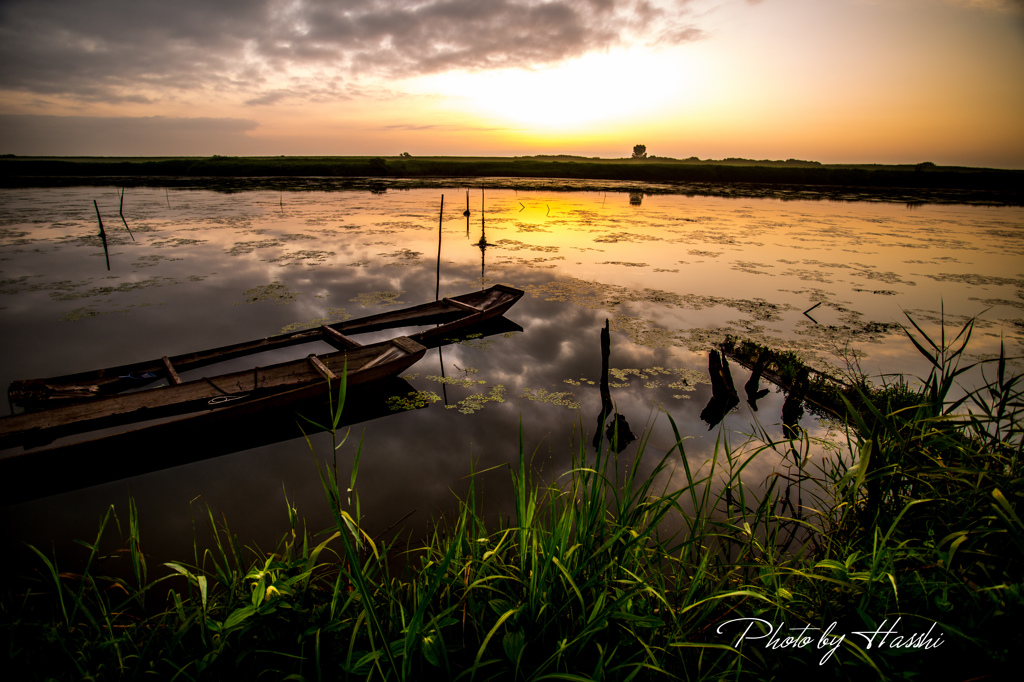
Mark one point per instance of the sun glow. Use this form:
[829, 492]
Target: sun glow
[594, 89]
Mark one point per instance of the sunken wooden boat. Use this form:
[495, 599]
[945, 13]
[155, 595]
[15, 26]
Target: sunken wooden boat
[251, 391]
[451, 314]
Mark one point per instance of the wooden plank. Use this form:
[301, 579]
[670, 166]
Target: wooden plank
[340, 338]
[322, 368]
[460, 304]
[408, 345]
[171, 374]
[386, 356]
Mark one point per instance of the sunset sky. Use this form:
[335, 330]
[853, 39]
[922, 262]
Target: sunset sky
[889, 81]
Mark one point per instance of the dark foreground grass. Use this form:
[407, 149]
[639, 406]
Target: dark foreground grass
[907, 564]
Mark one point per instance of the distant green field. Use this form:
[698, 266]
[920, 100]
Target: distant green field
[1004, 186]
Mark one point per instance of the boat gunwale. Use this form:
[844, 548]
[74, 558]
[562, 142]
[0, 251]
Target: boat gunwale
[31, 426]
[21, 392]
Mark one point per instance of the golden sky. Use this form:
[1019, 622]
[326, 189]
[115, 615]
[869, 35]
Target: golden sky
[859, 81]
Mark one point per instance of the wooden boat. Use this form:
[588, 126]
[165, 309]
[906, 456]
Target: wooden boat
[78, 460]
[101, 457]
[450, 313]
[252, 390]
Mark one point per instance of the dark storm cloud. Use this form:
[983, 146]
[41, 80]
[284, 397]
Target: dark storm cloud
[98, 50]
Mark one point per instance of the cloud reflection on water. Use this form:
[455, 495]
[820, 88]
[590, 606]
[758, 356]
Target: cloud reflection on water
[713, 267]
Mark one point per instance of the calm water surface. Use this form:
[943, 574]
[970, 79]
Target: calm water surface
[673, 275]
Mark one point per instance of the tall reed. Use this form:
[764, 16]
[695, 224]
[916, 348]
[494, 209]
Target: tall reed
[604, 573]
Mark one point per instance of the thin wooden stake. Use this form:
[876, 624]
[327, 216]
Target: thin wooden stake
[121, 213]
[103, 234]
[809, 310]
[483, 222]
[440, 225]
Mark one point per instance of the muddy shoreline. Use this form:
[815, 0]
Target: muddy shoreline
[900, 195]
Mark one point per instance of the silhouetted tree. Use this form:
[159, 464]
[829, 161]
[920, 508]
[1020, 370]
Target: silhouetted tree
[640, 151]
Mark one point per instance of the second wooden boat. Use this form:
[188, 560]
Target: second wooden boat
[450, 313]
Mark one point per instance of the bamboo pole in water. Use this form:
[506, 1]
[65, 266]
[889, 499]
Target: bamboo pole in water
[437, 291]
[120, 212]
[440, 225]
[103, 234]
[483, 221]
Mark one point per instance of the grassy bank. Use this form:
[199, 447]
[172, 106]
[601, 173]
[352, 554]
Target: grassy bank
[915, 531]
[1001, 186]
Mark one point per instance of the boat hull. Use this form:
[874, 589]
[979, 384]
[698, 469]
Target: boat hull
[451, 314]
[256, 389]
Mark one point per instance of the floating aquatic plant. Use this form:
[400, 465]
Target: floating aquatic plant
[334, 315]
[412, 400]
[83, 313]
[276, 292]
[378, 298]
[456, 381]
[241, 248]
[311, 258]
[477, 401]
[561, 399]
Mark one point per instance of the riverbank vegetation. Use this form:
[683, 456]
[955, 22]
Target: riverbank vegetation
[998, 186]
[828, 394]
[901, 553]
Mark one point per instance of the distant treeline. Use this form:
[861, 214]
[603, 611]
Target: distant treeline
[1010, 183]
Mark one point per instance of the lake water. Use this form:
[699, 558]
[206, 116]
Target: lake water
[673, 275]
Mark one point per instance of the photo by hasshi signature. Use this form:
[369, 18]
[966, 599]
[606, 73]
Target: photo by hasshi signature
[771, 636]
